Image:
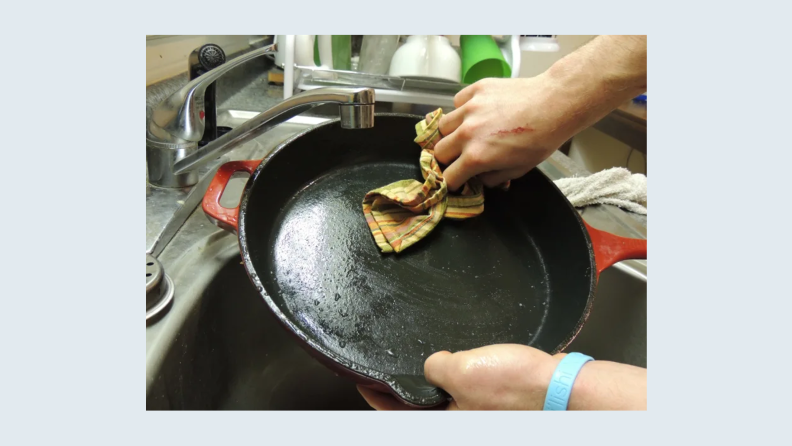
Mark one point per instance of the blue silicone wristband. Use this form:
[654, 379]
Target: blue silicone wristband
[563, 378]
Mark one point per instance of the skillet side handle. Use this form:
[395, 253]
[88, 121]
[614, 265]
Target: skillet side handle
[610, 249]
[225, 218]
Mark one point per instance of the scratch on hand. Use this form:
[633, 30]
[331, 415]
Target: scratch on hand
[514, 131]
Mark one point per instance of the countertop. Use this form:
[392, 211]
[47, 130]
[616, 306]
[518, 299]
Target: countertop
[634, 110]
[627, 124]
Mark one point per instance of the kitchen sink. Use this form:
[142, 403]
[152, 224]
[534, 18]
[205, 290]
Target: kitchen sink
[235, 355]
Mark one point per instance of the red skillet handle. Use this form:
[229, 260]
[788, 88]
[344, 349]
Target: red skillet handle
[226, 218]
[610, 249]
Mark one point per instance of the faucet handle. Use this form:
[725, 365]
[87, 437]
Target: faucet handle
[180, 117]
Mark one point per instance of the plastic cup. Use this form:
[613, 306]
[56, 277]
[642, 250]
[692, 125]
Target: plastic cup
[481, 58]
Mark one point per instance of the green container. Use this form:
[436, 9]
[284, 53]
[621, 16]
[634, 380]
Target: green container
[342, 52]
[481, 58]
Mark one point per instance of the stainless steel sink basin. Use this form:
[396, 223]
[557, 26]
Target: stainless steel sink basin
[616, 328]
[235, 356]
[218, 347]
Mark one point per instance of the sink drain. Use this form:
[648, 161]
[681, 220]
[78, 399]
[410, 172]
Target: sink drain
[159, 288]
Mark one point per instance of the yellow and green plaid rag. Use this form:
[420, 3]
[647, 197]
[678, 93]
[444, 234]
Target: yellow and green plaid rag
[404, 212]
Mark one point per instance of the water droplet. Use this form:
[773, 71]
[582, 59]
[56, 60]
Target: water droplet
[390, 353]
[421, 342]
[316, 302]
[342, 344]
[521, 305]
[337, 297]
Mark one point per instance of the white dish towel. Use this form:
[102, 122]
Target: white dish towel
[616, 186]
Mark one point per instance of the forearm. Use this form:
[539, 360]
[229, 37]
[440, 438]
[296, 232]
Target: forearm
[605, 385]
[594, 80]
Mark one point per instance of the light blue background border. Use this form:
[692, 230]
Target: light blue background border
[73, 162]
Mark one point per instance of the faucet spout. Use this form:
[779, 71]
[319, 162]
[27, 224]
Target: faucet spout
[357, 116]
[356, 107]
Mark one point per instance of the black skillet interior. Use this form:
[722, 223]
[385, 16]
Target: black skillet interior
[522, 272]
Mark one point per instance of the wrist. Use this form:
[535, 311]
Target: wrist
[535, 379]
[605, 385]
[581, 394]
[547, 370]
[581, 98]
[563, 381]
[607, 66]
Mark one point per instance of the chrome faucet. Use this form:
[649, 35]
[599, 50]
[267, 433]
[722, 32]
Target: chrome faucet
[176, 125]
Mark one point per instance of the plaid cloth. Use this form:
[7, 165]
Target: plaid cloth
[404, 212]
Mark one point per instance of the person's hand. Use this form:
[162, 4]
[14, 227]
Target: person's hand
[516, 377]
[501, 129]
[496, 377]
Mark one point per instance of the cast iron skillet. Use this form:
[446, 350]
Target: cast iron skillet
[523, 272]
